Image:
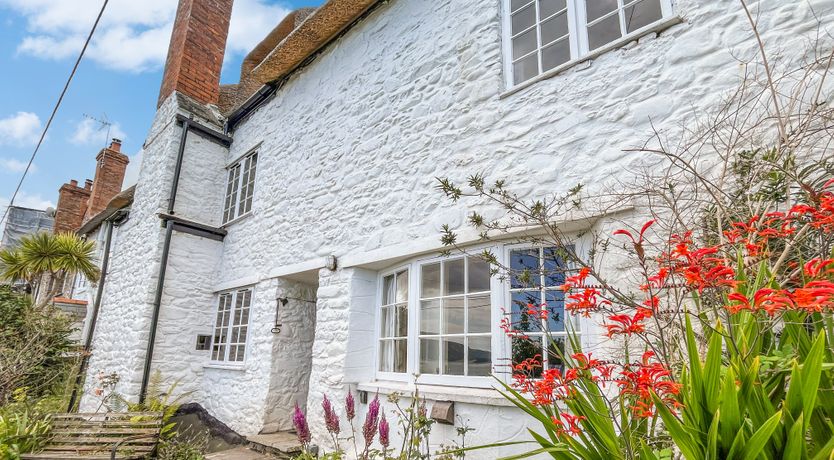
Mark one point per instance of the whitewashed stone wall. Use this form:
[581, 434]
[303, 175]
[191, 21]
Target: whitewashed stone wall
[349, 151]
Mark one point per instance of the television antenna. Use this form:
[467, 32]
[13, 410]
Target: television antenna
[103, 123]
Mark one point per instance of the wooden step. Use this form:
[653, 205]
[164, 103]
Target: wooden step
[104, 431]
[95, 441]
[71, 456]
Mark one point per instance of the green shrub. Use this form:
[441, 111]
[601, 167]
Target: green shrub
[21, 433]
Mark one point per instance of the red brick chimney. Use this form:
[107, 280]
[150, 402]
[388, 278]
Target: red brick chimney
[195, 54]
[111, 164]
[72, 204]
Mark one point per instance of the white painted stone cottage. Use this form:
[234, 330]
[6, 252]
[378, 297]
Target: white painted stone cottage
[283, 239]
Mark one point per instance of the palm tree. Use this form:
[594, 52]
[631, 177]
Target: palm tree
[46, 260]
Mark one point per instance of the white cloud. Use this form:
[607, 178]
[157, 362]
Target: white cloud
[13, 165]
[20, 129]
[133, 35]
[90, 132]
[26, 200]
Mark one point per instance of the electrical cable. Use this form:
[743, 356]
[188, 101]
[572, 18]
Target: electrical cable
[54, 110]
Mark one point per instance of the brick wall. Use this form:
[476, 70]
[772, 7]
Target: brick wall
[110, 173]
[72, 205]
[195, 54]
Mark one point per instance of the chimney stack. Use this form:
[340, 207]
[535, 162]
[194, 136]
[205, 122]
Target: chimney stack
[110, 173]
[195, 54]
[72, 204]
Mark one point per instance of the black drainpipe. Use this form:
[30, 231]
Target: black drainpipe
[88, 341]
[163, 264]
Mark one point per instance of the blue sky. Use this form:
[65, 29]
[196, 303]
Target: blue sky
[119, 79]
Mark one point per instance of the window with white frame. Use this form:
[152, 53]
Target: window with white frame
[535, 288]
[445, 316]
[232, 326]
[393, 332]
[544, 34]
[240, 187]
[455, 317]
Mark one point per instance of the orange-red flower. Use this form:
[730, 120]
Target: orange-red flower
[625, 324]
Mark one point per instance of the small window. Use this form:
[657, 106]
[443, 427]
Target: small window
[455, 318]
[240, 188]
[544, 34]
[232, 326]
[535, 284]
[393, 331]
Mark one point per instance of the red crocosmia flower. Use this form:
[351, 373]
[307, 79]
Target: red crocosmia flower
[625, 324]
[641, 380]
[577, 280]
[584, 302]
[816, 268]
[771, 301]
[573, 422]
[815, 296]
[741, 302]
[657, 281]
[627, 233]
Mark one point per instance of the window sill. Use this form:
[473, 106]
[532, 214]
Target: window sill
[637, 34]
[224, 366]
[466, 395]
[237, 219]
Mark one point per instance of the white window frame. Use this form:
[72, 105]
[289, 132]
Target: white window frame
[237, 187]
[576, 321]
[577, 35]
[500, 297]
[393, 376]
[227, 344]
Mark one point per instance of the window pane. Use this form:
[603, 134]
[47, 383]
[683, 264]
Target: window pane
[429, 356]
[525, 69]
[388, 290]
[453, 356]
[555, 28]
[604, 32]
[548, 8]
[523, 19]
[528, 348]
[521, 320]
[479, 314]
[516, 4]
[524, 43]
[525, 268]
[400, 355]
[555, 348]
[453, 277]
[402, 287]
[453, 316]
[599, 8]
[555, 54]
[386, 348]
[479, 355]
[555, 301]
[430, 281]
[478, 275]
[241, 351]
[430, 317]
[554, 267]
[642, 14]
[387, 324]
[402, 320]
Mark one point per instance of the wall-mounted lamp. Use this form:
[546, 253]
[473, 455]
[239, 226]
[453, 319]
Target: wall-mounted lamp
[330, 263]
[279, 302]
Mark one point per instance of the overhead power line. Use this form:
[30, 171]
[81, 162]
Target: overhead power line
[55, 110]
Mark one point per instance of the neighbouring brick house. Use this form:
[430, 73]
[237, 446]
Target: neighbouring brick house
[283, 237]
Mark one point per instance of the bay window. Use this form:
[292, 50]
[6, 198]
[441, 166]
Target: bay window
[541, 35]
[438, 319]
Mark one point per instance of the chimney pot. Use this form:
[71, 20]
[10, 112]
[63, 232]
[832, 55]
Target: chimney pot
[74, 183]
[116, 145]
[88, 184]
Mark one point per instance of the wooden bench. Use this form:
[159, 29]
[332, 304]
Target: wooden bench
[102, 436]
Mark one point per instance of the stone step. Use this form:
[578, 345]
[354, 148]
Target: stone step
[238, 453]
[282, 445]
